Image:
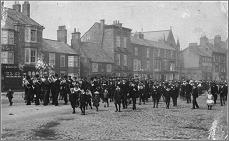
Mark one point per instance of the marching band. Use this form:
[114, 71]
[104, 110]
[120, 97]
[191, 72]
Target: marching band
[122, 91]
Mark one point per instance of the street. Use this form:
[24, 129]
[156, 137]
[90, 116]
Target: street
[21, 122]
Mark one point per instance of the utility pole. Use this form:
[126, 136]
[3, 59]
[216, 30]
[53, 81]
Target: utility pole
[1, 8]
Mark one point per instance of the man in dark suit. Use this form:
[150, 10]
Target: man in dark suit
[194, 96]
[117, 99]
[214, 91]
[188, 90]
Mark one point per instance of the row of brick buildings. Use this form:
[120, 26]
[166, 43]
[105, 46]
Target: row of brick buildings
[206, 60]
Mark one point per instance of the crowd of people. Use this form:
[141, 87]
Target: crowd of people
[84, 93]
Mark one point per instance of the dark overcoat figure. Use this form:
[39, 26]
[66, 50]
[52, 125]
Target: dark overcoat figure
[83, 102]
[74, 98]
[96, 100]
[188, 91]
[194, 96]
[214, 91]
[9, 95]
[117, 98]
[45, 86]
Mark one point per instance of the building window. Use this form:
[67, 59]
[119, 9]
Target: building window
[156, 52]
[118, 42]
[118, 59]
[125, 42]
[30, 55]
[7, 37]
[148, 65]
[27, 34]
[62, 60]
[95, 67]
[147, 52]
[162, 53]
[136, 51]
[33, 56]
[172, 67]
[135, 65]
[157, 65]
[51, 59]
[27, 50]
[73, 61]
[33, 35]
[7, 57]
[125, 60]
[109, 67]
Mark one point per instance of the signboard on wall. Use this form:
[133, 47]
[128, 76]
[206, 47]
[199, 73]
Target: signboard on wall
[11, 77]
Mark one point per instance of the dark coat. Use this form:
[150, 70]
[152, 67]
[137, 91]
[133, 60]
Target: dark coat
[117, 97]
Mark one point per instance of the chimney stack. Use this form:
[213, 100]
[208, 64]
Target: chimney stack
[62, 34]
[139, 35]
[203, 41]
[75, 41]
[26, 9]
[17, 6]
[102, 22]
[217, 41]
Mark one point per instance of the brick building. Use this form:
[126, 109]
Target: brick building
[21, 39]
[23, 45]
[196, 63]
[95, 61]
[153, 59]
[114, 39]
[208, 60]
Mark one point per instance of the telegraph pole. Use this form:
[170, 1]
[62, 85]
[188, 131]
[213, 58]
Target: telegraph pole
[1, 8]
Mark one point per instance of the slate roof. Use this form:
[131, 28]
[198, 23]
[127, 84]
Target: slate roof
[11, 17]
[95, 52]
[200, 51]
[156, 35]
[150, 43]
[57, 47]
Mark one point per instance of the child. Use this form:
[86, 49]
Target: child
[10, 96]
[96, 100]
[210, 100]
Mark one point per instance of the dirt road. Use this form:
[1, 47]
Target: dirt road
[21, 122]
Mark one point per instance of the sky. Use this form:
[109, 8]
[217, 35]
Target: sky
[188, 20]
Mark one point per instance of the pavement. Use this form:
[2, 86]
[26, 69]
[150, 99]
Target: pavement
[22, 122]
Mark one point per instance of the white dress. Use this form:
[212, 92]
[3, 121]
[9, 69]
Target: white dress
[210, 100]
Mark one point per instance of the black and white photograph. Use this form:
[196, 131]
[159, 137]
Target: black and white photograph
[114, 70]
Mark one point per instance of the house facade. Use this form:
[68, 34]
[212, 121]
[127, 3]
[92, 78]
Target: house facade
[209, 58]
[23, 45]
[21, 39]
[114, 39]
[153, 59]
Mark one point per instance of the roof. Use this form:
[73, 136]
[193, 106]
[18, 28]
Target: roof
[200, 51]
[12, 16]
[150, 43]
[95, 52]
[57, 47]
[156, 35]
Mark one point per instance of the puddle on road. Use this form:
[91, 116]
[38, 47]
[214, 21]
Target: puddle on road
[46, 131]
[197, 128]
[66, 119]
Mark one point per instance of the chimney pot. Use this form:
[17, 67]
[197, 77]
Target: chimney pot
[17, 6]
[62, 34]
[26, 8]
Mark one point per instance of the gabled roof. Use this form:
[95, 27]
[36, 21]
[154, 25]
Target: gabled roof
[56, 47]
[95, 53]
[156, 35]
[150, 43]
[12, 16]
[199, 51]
